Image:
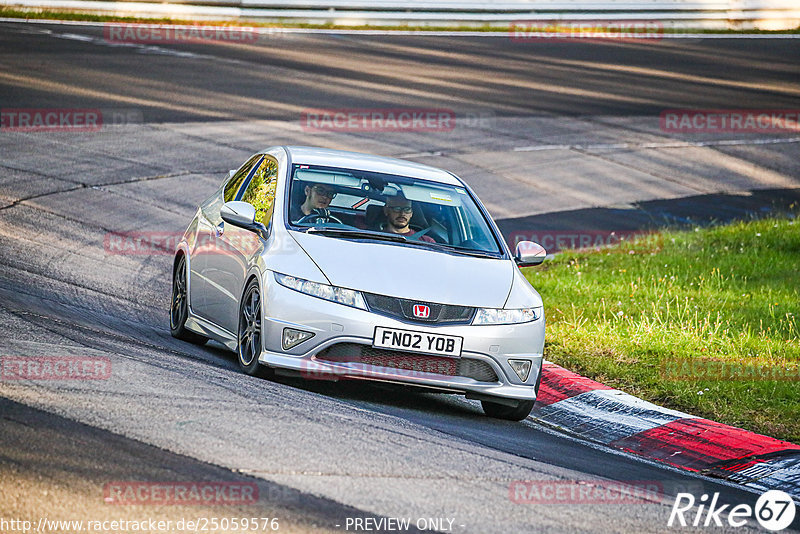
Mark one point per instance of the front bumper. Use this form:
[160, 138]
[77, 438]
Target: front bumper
[333, 324]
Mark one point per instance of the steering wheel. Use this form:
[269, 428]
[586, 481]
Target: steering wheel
[322, 215]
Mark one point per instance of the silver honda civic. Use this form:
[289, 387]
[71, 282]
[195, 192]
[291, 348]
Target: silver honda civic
[336, 265]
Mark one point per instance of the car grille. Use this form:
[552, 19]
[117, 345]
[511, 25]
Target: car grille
[404, 309]
[408, 361]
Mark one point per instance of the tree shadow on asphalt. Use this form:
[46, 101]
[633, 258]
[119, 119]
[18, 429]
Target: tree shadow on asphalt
[577, 228]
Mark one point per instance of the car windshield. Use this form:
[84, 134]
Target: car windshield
[347, 203]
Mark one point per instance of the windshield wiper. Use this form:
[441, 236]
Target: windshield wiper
[383, 236]
[357, 234]
[466, 251]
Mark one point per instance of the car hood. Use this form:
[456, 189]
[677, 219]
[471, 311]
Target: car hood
[410, 272]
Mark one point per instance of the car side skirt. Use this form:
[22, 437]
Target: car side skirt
[211, 330]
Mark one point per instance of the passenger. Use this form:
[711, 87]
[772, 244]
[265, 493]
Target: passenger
[318, 196]
[398, 211]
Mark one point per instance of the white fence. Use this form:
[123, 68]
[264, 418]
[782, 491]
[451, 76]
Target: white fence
[710, 14]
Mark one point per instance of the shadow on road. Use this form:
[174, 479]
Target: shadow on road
[591, 227]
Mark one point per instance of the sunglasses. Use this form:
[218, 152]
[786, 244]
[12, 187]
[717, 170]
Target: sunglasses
[400, 209]
[321, 191]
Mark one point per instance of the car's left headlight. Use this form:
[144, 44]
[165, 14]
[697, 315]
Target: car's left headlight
[348, 297]
[499, 316]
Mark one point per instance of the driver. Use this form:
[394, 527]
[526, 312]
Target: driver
[398, 211]
[318, 196]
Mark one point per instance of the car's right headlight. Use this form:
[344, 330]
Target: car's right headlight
[348, 297]
[501, 316]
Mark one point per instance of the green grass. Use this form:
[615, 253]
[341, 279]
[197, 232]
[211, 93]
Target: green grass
[626, 315]
[48, 14]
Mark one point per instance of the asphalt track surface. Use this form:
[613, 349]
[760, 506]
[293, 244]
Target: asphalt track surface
[282, 74]
[328, 451]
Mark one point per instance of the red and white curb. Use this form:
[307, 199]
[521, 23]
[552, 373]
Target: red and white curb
[595, 412]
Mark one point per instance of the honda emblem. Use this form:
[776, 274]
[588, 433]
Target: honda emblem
[421, 311]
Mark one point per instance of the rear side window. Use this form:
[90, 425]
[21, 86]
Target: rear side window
[236, 181]
[260, 191]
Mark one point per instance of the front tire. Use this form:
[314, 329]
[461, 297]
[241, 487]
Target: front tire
[509, 413]
[179, 306]
[249, 333]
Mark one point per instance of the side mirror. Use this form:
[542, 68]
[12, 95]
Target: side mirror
[241, 214]
[529, 253]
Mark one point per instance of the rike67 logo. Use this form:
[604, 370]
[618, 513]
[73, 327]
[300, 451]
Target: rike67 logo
[774, 510]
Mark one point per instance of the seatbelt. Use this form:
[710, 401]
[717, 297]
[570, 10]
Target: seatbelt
[421, 233]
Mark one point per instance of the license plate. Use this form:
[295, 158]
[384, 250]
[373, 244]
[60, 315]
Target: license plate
[422, 342]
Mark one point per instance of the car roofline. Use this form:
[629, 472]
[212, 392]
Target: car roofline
[302, 155]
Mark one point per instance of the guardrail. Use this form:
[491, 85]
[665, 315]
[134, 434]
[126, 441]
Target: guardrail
[708, 14]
